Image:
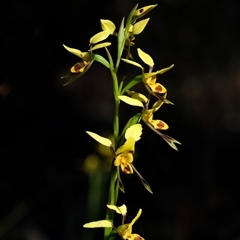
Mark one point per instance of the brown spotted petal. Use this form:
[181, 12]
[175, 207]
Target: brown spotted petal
[79, 67]
[134, 236]
[155, 87]
[158, 124]
[124, 160]
[126, 168]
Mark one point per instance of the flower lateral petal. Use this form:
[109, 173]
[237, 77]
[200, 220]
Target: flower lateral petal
[98, 224]
[137, 96]
[132, 63]
[104, 141]
[74, 51]
[100, 45]
[164, 69]
[131, 101]
[99, 37]
[121, 210]
[139, 26]
[144, 182]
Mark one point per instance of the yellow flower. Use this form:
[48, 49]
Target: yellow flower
[137, 28]
[120, 210]
[124, 230]
[86, 62]
[143, 11]
[139, 100]
[134, 29]
[108, 28]
[124, 154]
[149, 79]
[79, 67]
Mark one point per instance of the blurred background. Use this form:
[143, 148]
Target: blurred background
[47, 190]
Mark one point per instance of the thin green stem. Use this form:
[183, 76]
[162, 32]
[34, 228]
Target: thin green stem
[113, 188]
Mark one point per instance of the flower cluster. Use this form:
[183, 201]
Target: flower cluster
[123, 145]
[124, 230]
[123, 156]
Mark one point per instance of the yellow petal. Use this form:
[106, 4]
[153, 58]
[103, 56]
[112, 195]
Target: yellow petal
[147, 113]
[84, 55]
[128, 146]
[104, 141]
[135, 132]
[157, 105]
[130, 28]
[121, 210]
[145, 57]
[131, 101]
[107, 25]
[98, 224]
[164, 69]
[99, 37]
[137, 96]
[129, 228]
[100, 45]
[139, 26]
[144, 10]
[132, 62]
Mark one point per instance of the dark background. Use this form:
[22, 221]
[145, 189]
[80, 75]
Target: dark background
[43, 141]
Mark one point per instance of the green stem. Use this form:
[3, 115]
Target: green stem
[113, 189]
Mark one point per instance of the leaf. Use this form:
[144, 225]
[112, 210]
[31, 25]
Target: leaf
[121, 39]
[132, 83]
[111, 64]
[130, 19]
[101, 60]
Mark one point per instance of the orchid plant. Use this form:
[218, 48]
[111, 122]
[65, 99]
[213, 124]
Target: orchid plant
[123, 145]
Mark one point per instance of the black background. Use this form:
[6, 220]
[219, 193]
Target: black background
[43, 124]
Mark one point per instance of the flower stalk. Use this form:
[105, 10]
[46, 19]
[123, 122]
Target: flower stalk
[123, 145]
